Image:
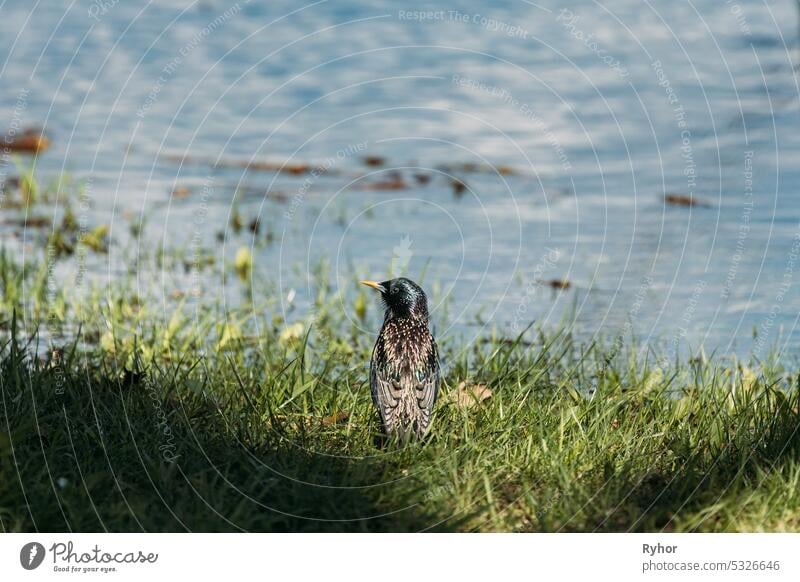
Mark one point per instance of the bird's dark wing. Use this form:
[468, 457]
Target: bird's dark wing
[427, 387]
[386, 392]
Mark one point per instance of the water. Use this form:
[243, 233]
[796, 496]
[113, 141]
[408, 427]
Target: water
[599, 109]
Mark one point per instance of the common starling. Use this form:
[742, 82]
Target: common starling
[404, 369]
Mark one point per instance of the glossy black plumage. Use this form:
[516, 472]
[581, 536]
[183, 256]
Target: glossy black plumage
[404, 369]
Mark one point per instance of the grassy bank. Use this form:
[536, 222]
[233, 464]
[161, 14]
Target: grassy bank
[123, 411]
[279, 435]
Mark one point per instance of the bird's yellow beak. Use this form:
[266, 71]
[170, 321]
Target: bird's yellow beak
[374, 285]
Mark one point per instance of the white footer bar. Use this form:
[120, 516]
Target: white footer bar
[389, 557]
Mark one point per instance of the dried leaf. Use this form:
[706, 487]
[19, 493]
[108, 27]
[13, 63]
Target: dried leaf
[468, 395]
[336, 418]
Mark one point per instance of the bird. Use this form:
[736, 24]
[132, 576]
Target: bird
[404, 368]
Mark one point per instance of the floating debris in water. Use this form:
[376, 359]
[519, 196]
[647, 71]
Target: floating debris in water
[683, 200]
[293, 168]
[473, 168]
[559, 284]
[31, 141]
[392, 182]
[422, 179]
[505, 170]
[374, 161]
[458, 187]
[30, 222]
[181, 192]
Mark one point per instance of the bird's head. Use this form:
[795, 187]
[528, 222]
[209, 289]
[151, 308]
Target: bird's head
[402, 298]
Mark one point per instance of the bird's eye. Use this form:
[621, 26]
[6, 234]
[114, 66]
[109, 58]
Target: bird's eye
[394, 290]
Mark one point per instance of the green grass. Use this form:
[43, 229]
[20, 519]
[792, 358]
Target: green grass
[252, 437]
